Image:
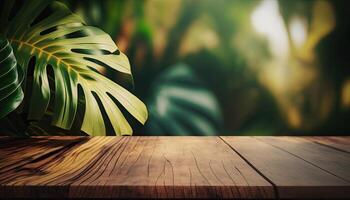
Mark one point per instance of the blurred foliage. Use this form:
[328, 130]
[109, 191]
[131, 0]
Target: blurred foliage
[274, 66]
[171, 110]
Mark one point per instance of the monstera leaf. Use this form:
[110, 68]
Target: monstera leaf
[11, 76]
[180, 104]
[48, 33]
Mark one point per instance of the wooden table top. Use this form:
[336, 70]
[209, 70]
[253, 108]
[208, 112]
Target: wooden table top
[175, 167]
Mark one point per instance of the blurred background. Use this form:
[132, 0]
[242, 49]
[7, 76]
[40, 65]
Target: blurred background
[232, 67]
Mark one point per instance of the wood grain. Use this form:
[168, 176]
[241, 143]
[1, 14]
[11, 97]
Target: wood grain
[175, 167]
[327, 159]
[130, 167]
[292, 175]
[15, 152]
[338, 143]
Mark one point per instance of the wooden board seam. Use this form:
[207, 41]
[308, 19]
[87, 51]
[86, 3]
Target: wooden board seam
[327, 171]
[326, 145]
[253, 167]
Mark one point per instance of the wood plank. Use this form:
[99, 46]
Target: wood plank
[336, 142]
[293, 177]
[35, 179]
[329, 160]
[15, 152]
[135, 167]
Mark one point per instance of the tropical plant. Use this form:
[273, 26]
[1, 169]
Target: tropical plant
[11, 78]
[68, 56]
[181, 104]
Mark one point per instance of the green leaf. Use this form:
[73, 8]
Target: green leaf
[11, 76]
[180, 104]
[78, 54]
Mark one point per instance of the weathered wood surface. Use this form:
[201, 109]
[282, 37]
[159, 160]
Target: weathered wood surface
[296, 167]
[339, 143]
[175, 167]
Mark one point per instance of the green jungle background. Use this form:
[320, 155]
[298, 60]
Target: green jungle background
[232, 67]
